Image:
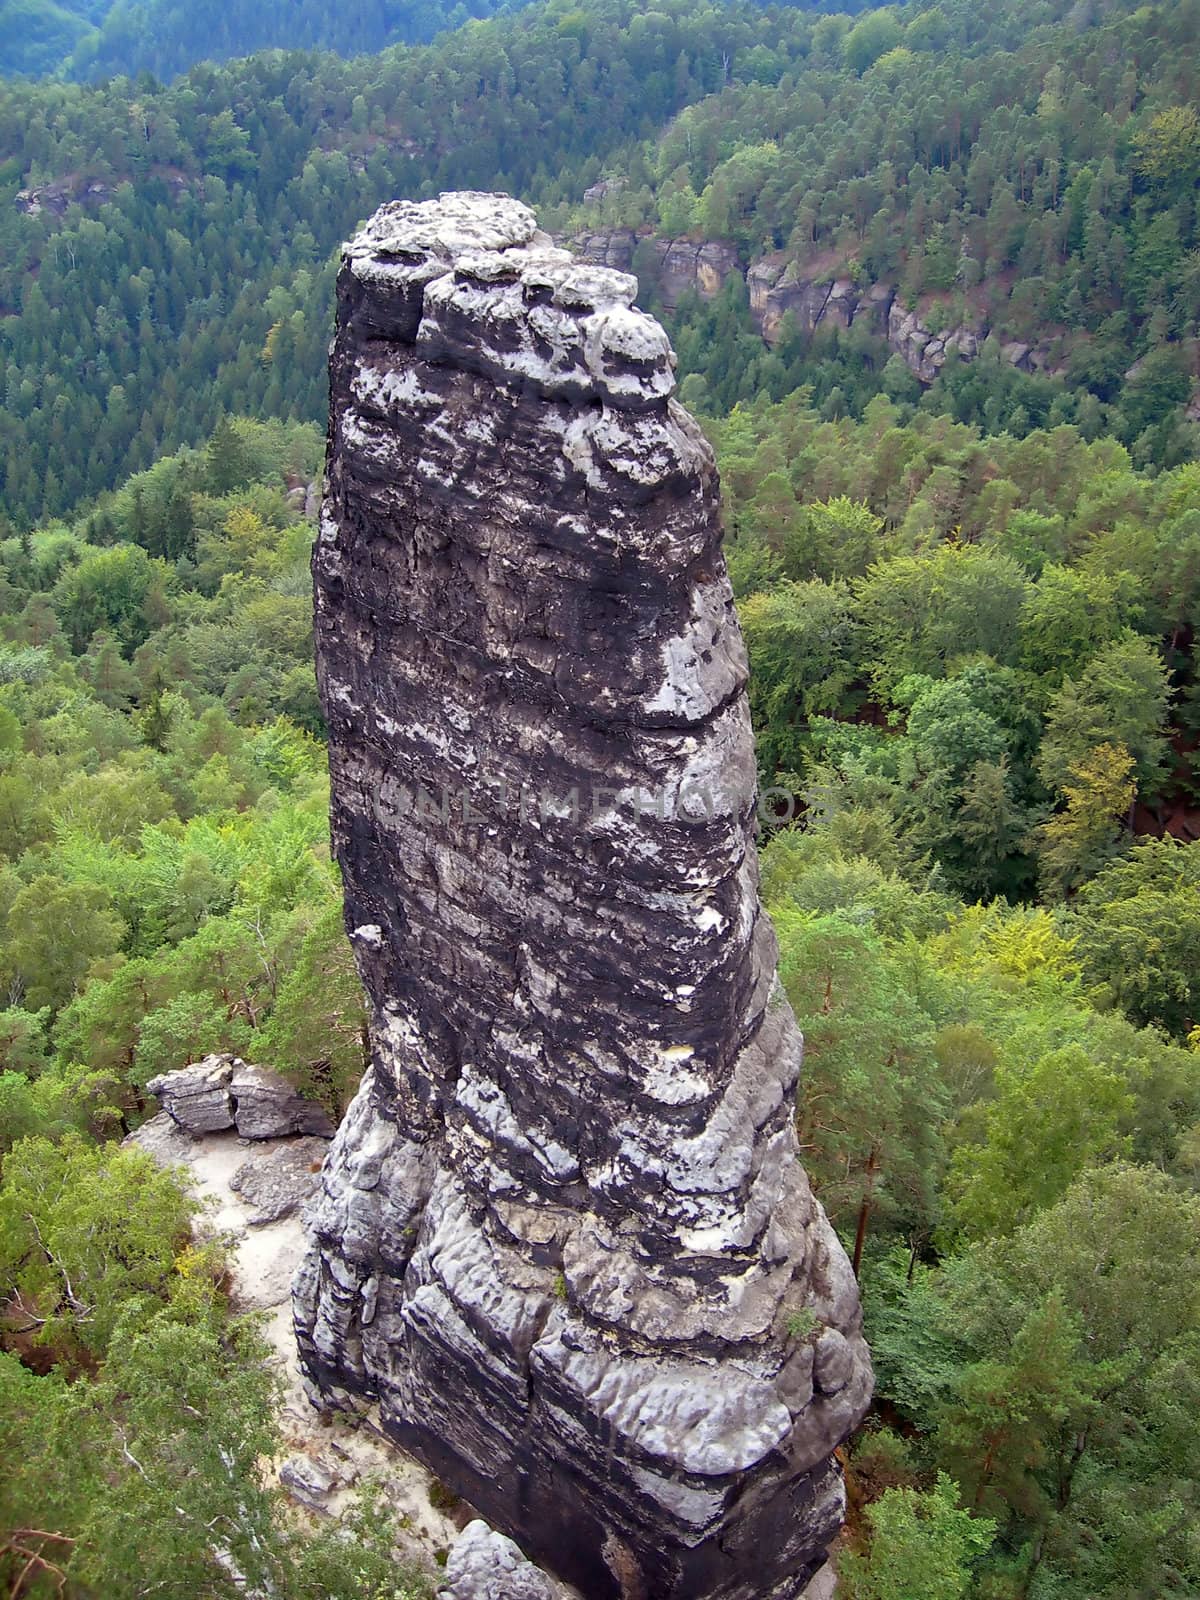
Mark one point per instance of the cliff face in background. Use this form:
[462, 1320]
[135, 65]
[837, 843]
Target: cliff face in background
[780, 286]
[563, 1234]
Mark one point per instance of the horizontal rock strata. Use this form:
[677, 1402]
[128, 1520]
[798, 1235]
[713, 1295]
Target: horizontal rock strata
[562, 1235]
[224, 1091]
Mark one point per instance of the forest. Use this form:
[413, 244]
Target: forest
[971, 607]
[230, 189]
[98, 39]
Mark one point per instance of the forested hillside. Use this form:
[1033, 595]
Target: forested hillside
[166, 37]
[100, 39]
[165, 888]
[973, 667]
[971, 598]
[226, 193]
[40, 35]
[1027, 196]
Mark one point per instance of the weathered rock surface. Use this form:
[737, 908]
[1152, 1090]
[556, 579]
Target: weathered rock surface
[225, 1092]
[562, 1234]
[611, 247]
[779, 286]
[56, 197]
[276, 1184]
[484, 1565]
[600, 192]
[925, 351]
[683, 265]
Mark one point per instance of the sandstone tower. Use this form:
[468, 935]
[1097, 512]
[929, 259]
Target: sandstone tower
[563, 1234]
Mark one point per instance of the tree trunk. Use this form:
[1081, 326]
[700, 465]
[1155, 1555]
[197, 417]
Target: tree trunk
[864, 1210]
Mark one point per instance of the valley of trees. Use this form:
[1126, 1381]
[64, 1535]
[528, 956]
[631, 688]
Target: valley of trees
[165, 890]
[171, 258]
[1036, 182]
[973, 660]
[93, 39]
[972, 613]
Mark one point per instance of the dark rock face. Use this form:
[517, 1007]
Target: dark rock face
[611, 247]
[779, 285]
[685, 265]
[562, 1234]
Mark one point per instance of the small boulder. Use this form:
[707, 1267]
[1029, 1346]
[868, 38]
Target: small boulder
[266, 1106]
[308, 1480]
[197, 1096]
[223, 1091]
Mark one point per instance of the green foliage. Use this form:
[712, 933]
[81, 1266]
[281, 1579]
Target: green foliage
[922, 1547]
[151, 1477]
[1137, 924]
[87, 1233]
[165, 37]
[355, 1559]
[1050, 1119]
[54, 932]
[997, 689]
[41, 34]
[1076, 842]
[800, 638]
[317, 1032]
[877, 33]
[1044, 1363]
[924, 615]
[1120, 699]
[870, 1102]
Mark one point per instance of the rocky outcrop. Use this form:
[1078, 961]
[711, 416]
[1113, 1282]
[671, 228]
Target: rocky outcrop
[924, 351]
[226, 1092]
[275, 1184]
[563, 1236]
[779, 286]
[683, 265]
[599, 192]
[612, 247]
[78, 188]
[57, 197]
